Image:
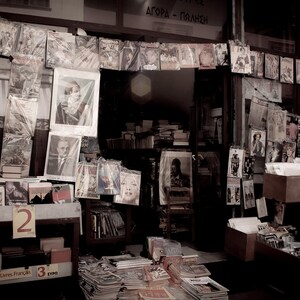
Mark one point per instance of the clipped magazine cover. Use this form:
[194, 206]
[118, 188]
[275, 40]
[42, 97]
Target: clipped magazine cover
[25, 77]
[108, 176]
[16, 192]
[188, 55]
[109, 53]
[233, 191]
[86, 53]
[129, 56]
[16, 150]
[60, 49]
[169, 56]
[86, 180]
[130, 184]
[149, 56]
[207, 59]
[20, 116]
[32, 41]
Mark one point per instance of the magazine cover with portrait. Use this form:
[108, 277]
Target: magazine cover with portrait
[175, 170]
[130, 185]
[75, 101]
[62, 156]
[235, 162]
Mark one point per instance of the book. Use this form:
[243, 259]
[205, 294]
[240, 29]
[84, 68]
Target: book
[62, 193]
[38, 191]
[156, 275]
[16, 193]
[11, 169]
[11, 175]
[60, 255]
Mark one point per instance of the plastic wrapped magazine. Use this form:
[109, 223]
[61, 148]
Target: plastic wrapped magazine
[169, 56]
[25, 77]
[149, 56]
[129, 56]
[32, 41]
[20, 116]
[109, 53]
[60, 49]
[16, 150]
[8, 37]
[207, 59]
[108, 176]
[86, 180]
[86, 53]
[130, 184]
[188, 56]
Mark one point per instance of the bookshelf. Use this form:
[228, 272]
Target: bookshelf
[64, 218]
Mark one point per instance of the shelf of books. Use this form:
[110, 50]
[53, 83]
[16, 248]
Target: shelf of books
[28, 252]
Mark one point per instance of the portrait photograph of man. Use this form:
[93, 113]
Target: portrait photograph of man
[62, 157]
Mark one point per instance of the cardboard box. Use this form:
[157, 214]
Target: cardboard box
[240, 244]
[281, 188]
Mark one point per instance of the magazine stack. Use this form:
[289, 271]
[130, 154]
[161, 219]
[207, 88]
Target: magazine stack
[204, 288]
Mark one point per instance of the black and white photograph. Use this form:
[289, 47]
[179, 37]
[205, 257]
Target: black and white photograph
[276, 123]
[248, 194]
[74, 107]
[221, 54]
[235, 162]
[233, 191]
[257, 63]
[16, 192]
[279, 210]
[16, 150]
[274, 151]
[271, 66]
[249, 162]
[286, 70]
[109, 53]
[240, 59]
[207, 58]
[130, 186]
[258, 113]
[62, 156]
[257, 142]
[288, 152]
[169, 56]
[175, 170]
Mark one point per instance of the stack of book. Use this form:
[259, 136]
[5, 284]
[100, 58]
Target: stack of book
[181, 137]
[156, 275]
[12, 171]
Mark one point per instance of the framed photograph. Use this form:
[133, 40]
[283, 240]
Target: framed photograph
[75, 102]
[62, 156]
[175, 170]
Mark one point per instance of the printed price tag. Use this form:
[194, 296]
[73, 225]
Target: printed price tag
[46, 271]
[24, 221]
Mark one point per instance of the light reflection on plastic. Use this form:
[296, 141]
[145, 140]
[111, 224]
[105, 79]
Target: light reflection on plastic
[141, 88]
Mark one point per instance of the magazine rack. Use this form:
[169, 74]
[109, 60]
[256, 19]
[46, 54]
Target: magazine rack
[180, 204]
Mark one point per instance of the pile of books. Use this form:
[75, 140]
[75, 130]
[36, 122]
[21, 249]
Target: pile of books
[11, 171]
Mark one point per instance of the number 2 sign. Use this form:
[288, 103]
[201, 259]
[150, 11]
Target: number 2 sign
[23, 221]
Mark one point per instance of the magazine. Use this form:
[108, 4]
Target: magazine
[109, 53]
[149, 56]
[16, 193]
[169, 56]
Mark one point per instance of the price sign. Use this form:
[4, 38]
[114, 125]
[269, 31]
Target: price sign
[47, 271]
[23, 221]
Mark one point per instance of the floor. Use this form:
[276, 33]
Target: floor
[240, 278]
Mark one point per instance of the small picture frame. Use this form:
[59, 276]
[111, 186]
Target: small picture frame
[62, 156]
[75, 102]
